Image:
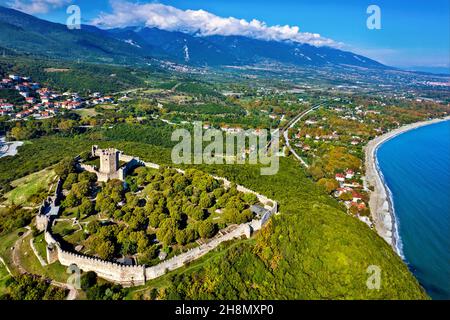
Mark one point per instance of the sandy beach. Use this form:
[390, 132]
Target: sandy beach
[380, 203]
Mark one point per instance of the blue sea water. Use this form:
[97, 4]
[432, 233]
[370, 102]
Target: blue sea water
[416, 169]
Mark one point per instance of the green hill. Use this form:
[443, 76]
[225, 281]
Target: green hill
[312, 250]
[29, 35]
[64, 75]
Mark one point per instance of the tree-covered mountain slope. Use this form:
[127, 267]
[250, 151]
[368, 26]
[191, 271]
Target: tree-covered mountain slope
[312, 250]
[26, 34]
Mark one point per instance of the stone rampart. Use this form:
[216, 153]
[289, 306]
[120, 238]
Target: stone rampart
[195, 253]
[114, 272]
[137, 275]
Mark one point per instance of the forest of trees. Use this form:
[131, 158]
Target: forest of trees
[312, 250]
[28, 287]
[99, 290]
[162, 210]
[14, 217]
[76, 77]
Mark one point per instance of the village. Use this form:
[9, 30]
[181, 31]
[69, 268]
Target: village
[41, 102]
[332, 141]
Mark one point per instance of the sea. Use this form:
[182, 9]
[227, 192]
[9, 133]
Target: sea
[416, 170]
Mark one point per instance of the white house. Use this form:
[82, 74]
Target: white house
[340, 177]
[349, 174]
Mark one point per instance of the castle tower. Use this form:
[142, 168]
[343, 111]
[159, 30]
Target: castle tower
[109, 161]
[52, 253]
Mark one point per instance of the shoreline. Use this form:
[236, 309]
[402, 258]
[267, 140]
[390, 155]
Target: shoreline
[381, 201]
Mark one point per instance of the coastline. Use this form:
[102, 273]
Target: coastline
[381, 202]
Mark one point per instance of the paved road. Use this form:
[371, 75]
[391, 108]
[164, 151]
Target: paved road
[6, 266]
[9, 148]
[285, 131]
[292, 124]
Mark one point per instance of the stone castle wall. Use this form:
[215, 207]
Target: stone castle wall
[88, 168]
[193, 254]
[42, 220]
[137, 275]
[92, 169]
[126, 158]
[114, 272]
[124, 275]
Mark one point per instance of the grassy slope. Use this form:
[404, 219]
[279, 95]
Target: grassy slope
[31, 263]
[313, 250]
[4, 276]
[6, 243]
[30, 185]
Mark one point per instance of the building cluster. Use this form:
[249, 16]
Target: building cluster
[349, 186]
[41, 102]
[317, 131]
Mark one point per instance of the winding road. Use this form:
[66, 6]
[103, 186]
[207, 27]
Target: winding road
[285, 132]
[293, 124]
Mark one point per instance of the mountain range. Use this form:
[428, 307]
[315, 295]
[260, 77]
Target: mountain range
[25, 34]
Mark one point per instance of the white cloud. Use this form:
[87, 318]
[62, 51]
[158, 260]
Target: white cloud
[200, 22]
[37, 6]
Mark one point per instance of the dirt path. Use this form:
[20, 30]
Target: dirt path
[175, 87]
[73, 293]
[16, 250]
[6, 266]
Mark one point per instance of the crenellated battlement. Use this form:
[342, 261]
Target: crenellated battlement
[138, 275]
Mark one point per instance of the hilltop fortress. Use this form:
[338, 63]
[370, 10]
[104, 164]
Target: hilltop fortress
[137, 275]
[110, 164]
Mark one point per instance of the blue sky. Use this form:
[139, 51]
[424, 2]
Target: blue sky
[413, 33]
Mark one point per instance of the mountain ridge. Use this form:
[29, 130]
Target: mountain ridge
[135, 45]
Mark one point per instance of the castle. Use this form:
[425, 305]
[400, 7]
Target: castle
[139, 274]
[110, 167]
[109, 160]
